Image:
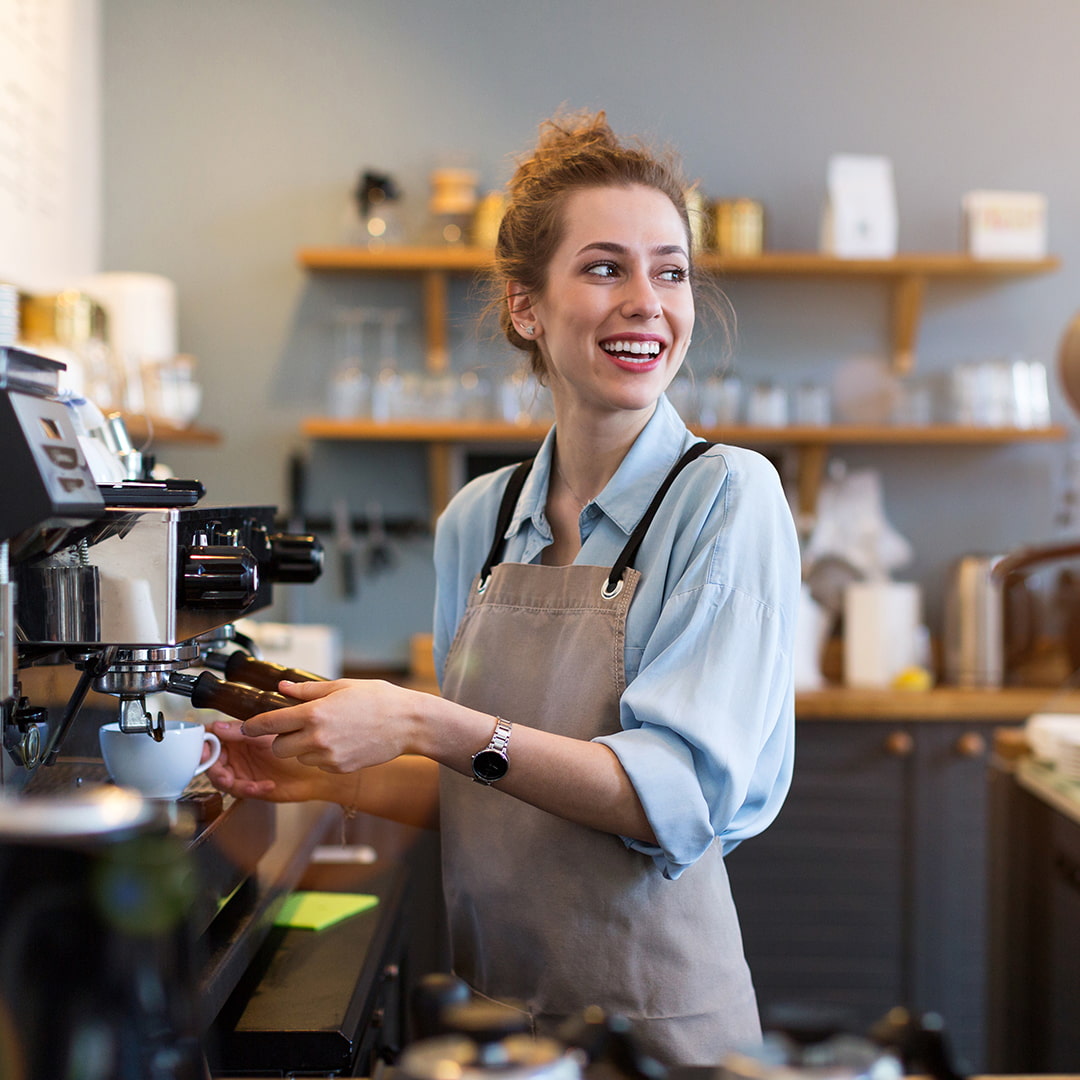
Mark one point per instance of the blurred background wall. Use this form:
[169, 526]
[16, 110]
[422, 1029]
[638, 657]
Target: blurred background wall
[234, 132]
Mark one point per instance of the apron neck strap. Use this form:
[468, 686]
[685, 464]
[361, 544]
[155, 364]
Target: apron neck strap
[629, 553]
[506, 512]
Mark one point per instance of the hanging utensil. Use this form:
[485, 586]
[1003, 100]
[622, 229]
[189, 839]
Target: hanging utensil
[345, 541]
[380, 552]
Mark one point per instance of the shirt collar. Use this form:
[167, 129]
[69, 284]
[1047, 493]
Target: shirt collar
[629, 492]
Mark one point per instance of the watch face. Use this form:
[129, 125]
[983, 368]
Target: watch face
[489, 766]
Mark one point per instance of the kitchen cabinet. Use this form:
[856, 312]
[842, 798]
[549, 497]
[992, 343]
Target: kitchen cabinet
[1035, 920]
[869, 890]
[906, 277]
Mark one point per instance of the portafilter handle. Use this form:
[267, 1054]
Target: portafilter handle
[207, 691]
[240, 667]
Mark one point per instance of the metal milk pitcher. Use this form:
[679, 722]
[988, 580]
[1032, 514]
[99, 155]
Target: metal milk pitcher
[974, 637]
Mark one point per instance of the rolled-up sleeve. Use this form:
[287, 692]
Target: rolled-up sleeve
[707, 721]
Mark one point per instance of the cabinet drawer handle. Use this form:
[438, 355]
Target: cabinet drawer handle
[971, 745]
[899, 744]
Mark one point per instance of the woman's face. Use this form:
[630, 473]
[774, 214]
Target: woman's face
[614, 321]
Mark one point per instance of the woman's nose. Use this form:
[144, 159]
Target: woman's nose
[640, 299]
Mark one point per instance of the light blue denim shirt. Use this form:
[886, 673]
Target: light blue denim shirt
[708, 714]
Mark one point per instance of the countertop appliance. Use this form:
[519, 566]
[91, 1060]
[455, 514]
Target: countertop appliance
[128, 582]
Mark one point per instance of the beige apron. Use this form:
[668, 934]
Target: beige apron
[549, 913]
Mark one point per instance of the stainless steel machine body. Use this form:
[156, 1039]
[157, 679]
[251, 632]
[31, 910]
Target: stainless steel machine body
[127, 581]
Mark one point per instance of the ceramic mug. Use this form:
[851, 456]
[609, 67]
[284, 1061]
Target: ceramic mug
[159, 770]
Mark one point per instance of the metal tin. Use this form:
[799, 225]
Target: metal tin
[740, 227]
[69, 318]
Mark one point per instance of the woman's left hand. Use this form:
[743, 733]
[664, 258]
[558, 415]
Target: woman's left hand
[343, 725]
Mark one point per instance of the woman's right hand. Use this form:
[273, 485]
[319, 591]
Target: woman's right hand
[247, 768]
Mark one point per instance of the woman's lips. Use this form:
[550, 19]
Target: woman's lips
[634, 354]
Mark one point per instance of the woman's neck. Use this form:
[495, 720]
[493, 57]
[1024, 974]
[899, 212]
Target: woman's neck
[589, 449]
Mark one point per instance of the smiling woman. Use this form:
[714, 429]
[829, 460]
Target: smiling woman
[613, 637]
[614, 318]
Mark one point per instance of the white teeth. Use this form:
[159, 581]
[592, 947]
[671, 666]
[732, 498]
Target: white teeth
[639, 348]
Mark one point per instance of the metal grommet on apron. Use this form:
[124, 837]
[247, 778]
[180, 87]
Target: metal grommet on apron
[549, 913]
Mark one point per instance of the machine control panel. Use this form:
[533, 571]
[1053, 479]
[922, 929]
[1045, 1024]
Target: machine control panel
[45, 479]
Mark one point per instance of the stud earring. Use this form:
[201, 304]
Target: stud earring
[528, 329]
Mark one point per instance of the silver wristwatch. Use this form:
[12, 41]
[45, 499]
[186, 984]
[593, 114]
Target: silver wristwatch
[491, 763]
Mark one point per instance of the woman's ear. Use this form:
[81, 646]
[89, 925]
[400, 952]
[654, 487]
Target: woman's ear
[521, 312]
[517, 300]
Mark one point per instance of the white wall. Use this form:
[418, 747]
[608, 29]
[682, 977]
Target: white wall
[234, 131]
[50, 138]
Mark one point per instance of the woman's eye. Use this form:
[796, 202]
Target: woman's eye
[602, 269]
[675, 274]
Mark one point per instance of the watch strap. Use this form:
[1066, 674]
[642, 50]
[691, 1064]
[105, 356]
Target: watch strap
[500, 737]
[496, 748]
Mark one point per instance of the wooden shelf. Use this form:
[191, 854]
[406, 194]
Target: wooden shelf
[906, 273]
[390, 259]
[147, 430]
[770, 263]
[492, 431]
[813, 443]
[447, 431]
[918, 264]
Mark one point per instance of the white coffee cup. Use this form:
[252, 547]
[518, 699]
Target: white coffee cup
[159, 770]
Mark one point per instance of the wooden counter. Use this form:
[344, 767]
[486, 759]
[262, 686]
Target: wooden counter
[836, 702]
[942, 703]
[1013, 705]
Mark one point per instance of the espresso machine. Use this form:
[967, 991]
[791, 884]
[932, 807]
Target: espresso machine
[126, 581]
[124, 925]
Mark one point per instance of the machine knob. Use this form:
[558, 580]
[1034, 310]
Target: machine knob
[292, 557]
[219, 576]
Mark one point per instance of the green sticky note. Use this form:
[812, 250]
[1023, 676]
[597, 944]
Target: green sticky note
[318, 910]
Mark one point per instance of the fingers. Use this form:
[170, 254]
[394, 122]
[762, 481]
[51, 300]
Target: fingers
[298, 745]
[277, 722]
[284, 721]
[228, 731]
[309, 691]
[225, 778]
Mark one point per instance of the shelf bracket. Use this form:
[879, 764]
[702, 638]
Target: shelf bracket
[438, 351]
[811, 472]
[907, 311]
[442, 482]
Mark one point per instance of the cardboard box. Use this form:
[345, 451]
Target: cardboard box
[1004, 224]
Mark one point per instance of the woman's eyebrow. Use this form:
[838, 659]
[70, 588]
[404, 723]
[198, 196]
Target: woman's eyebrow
[620, 249]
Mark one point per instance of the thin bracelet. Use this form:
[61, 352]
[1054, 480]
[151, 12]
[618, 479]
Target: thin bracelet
[347, 815]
